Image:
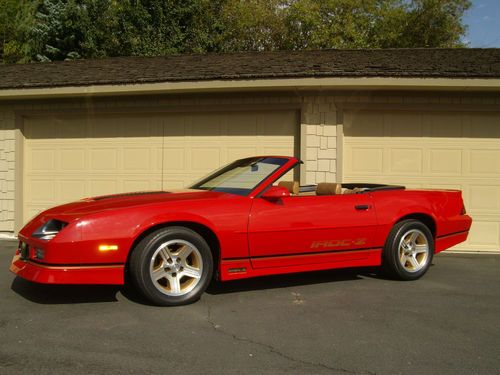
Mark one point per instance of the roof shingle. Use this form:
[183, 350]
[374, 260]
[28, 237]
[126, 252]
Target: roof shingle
[405, 63]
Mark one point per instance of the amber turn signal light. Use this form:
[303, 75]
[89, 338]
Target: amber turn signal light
[108, 247]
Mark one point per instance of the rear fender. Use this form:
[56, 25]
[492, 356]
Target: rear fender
[416, 213]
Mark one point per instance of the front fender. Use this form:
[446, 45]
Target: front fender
[171, 218]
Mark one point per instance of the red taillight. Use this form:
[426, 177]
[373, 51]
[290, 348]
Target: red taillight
[464, 211]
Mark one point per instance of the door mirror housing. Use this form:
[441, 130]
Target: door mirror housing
[275, 193]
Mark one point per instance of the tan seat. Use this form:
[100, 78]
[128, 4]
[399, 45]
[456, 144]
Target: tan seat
[291, 186]
[326, 188]
[356, 190]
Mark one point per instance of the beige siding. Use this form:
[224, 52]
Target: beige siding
[451, 150]
[321, 122]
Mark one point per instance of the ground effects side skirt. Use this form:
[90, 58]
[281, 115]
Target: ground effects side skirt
[243, 268]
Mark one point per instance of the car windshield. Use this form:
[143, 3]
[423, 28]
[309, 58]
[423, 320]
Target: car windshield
[241, 176]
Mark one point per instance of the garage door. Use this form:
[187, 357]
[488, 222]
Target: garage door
[435, 150]
[67, 158]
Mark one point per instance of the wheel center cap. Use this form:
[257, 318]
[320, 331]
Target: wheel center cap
[176, 267]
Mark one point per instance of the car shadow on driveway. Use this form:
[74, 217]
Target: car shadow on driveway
[74, 294]
[289, 280]
[64, 294]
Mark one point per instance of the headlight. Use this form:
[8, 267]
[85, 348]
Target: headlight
[49, 230]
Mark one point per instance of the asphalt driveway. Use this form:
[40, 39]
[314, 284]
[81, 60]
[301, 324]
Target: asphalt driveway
[334, 322]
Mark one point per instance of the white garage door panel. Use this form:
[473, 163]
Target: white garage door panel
[432, 150]
[67, 158]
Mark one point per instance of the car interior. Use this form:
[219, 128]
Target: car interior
[322, 188]
[332, 188]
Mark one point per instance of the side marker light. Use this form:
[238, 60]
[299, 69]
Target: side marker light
[108, 247]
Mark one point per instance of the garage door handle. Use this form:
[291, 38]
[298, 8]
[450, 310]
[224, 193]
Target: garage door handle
[362, 207]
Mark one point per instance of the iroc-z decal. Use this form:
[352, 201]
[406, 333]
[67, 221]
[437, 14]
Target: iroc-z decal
[357, 242]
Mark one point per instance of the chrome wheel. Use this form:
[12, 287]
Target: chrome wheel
[413, 250]
[176, 267]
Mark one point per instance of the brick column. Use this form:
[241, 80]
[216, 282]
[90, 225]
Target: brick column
[7, 170]
[319, 139]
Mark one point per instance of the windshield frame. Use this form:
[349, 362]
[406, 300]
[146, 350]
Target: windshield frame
[287, 164]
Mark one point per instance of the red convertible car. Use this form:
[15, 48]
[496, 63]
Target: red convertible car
[238, 223]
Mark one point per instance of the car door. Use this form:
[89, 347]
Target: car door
[294, 229]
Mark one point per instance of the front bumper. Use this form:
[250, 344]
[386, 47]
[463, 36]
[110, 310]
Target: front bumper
[67, 274]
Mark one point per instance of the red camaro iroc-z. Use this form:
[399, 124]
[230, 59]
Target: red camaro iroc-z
[238, 222]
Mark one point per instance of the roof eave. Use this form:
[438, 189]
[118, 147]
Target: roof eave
[285, 84]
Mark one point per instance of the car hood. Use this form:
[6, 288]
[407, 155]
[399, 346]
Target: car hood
[117, 201]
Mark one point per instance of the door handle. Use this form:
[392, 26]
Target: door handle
[362, 207]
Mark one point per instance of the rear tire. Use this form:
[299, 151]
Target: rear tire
[171, 266]
[408, 251]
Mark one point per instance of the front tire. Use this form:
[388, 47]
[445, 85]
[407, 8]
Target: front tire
[171, 266]
[408, 251]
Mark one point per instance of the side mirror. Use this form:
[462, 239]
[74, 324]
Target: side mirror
[275, 193]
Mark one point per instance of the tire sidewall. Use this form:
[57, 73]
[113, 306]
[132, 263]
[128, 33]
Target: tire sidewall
[391, 250]
[141, 260]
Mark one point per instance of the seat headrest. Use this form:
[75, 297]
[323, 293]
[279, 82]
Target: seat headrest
[326, 188]
[291, 186]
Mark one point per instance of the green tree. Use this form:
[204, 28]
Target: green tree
[342, 23]
[112, 28]
[433, 23]
[253, 25]
[15, 20]
[376, 23]
[8, 12]
[69, 29]
[45, 30]
[54, 35]
[177, 27]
